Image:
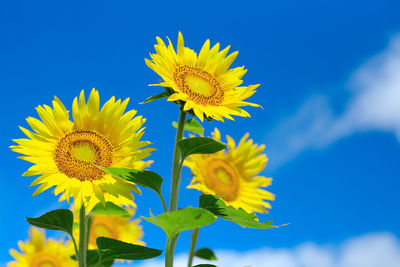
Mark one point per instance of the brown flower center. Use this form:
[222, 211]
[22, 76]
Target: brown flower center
[78, 152]
[43, 259]
[222, 178]
[201, 87]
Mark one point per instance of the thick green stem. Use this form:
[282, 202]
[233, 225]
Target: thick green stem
[168, 255]
[176, 167]
[194, 236]
[175, 181]
[82, 237]
[171, 250]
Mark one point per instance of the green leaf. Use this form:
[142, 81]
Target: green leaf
[199, 145]
[191, 125]
[205, 265]
[164, 94]
[109, 209]
[181, 220]
[239, 216]
[205, 253]
[144, 178]
[111, 249]
[61, 219]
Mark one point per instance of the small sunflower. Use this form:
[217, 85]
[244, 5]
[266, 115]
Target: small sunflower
[116, 227]
[203, 83]
[65, 153]
[113, 226]
[233, 175]
[39, 252]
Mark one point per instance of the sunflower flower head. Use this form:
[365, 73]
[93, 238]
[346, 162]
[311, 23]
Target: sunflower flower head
[65, 153]
[117, 227]
[123, 228]
[233, 175]
[203, 83]
[39, 251]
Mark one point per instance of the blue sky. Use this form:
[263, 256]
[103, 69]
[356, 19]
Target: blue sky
[328, 87]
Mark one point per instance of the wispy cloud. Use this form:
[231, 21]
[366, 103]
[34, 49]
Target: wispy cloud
[371, 250]
[305, 129]
[374, 105]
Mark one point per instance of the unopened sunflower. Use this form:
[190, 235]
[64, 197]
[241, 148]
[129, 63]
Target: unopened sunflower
[202, 83]
[65, 153]
[39, 252]
[233, 174]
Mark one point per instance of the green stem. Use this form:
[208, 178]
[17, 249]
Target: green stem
[171, 251]
[194, 236]
[82, 237]
[176, 178]
[176, 166]
[168, 255]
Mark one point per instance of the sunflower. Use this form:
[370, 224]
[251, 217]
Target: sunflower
[65, 153]
[203, 83]
[116, 227]
[233, 175]
[113, 226]
[39, 252]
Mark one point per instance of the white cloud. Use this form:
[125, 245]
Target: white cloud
[374, 105]
[371, 250]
